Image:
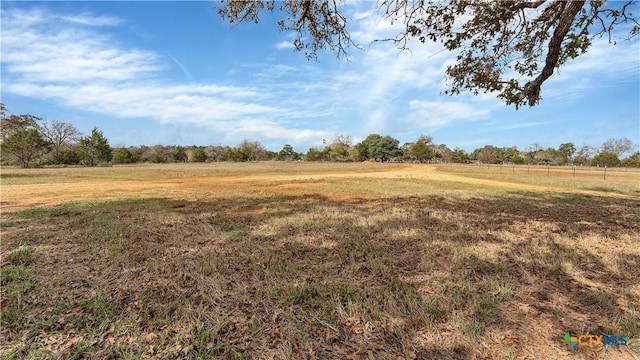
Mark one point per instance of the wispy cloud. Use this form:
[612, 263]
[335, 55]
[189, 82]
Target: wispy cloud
[91, 20]
[79, 63]
[520, 125]
[440, 113]
[79, 68]
[37, 52]
[284, 45]
[604, 66]
[186, 71]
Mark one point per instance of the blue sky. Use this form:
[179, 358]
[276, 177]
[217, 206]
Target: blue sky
[175, 73]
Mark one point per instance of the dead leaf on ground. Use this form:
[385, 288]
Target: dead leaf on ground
[150, 337]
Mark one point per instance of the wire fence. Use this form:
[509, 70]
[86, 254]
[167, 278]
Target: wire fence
[584, 172]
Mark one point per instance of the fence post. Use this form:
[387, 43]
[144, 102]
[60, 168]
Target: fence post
[605, 172]
[574, 171]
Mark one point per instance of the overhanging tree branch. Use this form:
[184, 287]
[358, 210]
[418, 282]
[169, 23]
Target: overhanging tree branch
[509, 48]
[532, 88]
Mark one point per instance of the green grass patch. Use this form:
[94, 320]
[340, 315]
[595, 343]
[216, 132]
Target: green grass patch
[23, 255]
[11, 273]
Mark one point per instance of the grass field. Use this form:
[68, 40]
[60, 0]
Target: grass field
[317, 261]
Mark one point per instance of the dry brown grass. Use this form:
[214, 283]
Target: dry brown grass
[325, 261]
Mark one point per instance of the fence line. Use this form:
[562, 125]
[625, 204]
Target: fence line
[591, 172]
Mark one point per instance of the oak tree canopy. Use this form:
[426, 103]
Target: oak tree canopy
[509, 48]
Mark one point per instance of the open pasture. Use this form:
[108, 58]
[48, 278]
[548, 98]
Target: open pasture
[317, 260]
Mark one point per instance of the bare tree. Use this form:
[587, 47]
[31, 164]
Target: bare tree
[583, 155]
[216, 153]
[339, 149]
[617, 146]
[60, 135]
[250, 151]
[444, 153]
[487, 155]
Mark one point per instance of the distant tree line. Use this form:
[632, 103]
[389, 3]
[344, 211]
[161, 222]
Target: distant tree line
[28, 141]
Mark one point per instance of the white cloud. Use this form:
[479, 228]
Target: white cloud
[70, 55]
[79, 68]
[603, 67]
[77, 64]
[87, 19]
[520, 125]
[284, 45]
[420, 72]
[23, 19]
[435, 114]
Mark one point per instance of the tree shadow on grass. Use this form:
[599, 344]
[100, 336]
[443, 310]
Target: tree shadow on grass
[313, 277]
